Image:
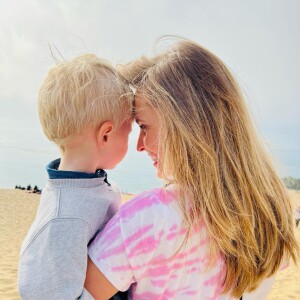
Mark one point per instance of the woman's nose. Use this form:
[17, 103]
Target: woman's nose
[140, 143]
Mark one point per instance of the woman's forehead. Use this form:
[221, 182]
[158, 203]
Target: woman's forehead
[143, 109]
[141, 105]
[140, 101]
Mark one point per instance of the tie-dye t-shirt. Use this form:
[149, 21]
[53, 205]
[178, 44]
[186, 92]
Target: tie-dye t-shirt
[140, 248]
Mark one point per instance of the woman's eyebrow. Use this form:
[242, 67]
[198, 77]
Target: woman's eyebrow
[133, 110]
[138, 120]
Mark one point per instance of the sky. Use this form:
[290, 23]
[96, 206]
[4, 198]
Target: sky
[259, 41]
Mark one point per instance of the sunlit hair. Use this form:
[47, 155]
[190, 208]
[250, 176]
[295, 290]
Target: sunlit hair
[85, 91]
[210, 147]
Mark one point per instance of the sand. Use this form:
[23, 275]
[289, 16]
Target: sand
[17, 210]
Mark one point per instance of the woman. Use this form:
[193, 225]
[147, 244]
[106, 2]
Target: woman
[223, 223]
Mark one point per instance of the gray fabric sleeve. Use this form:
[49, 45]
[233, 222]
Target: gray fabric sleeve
[53, 265]
[86, 295]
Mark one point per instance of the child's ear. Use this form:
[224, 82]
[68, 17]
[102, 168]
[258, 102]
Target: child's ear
[104, 133]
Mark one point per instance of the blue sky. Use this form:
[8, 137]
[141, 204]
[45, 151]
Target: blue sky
[258, 40]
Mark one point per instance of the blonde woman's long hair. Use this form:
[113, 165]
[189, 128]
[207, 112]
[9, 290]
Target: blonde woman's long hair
[212, 151]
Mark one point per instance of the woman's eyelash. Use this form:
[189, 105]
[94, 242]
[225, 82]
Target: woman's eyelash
[142, 126]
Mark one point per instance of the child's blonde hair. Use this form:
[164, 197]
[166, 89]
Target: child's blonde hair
[211, 149]
[85, 91]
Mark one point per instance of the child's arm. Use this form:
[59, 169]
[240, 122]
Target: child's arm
[53, 265]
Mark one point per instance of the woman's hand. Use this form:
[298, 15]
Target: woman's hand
[97, 284]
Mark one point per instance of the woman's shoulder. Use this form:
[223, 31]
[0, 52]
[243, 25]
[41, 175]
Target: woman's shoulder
[152, 223]
[158, 202]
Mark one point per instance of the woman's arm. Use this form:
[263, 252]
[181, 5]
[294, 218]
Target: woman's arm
[97, 284]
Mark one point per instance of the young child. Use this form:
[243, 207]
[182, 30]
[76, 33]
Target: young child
[86, 110]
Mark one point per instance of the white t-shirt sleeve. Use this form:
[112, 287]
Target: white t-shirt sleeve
[127, 246]
[108, 253]
[142, 247]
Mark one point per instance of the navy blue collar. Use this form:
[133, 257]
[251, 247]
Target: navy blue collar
[54, 173]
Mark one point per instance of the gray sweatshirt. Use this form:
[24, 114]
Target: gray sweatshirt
[53, 255]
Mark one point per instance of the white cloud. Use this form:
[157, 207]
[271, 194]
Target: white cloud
[259, 40]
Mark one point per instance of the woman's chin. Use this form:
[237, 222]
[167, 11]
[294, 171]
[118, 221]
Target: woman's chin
[155, 165]
[158, 173]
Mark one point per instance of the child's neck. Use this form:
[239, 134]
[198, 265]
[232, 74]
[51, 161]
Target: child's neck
[79, 164]
[79, 159]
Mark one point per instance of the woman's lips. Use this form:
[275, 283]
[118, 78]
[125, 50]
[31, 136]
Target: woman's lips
[155, 160]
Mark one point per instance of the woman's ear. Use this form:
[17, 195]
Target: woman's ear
[104, 133]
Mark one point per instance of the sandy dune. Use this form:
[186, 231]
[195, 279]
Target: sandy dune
[17, 210]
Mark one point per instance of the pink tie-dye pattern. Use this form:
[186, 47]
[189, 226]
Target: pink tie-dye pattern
[213, 280]
[140, 248]
[219, 288]
[159, 274]
[159, 283]
[137, 235]
[167, 294]
[192, 270]
[112, 252]
[135, 205]
[112, 231]
[173, 235]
